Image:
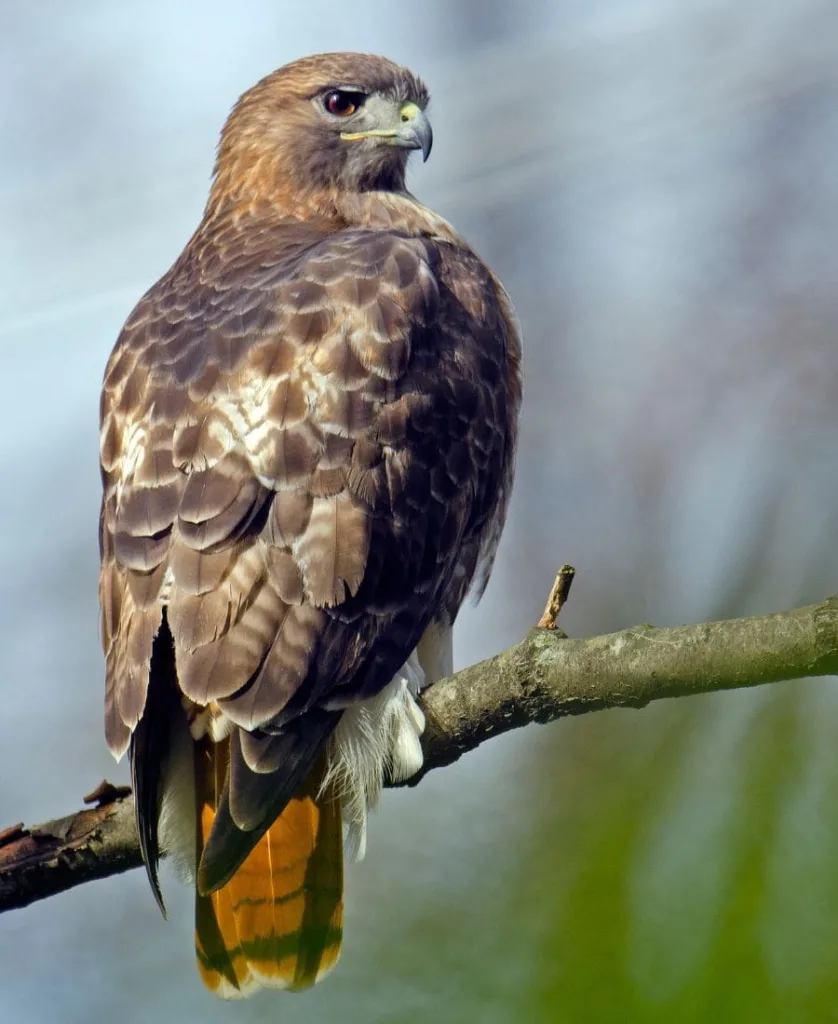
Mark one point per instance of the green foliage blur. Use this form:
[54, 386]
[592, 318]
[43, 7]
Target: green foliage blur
[676, 864]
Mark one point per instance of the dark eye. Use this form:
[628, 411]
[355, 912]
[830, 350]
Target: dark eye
[342, 103]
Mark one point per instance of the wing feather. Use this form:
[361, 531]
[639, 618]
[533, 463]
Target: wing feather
[304, 437]
[332, 552]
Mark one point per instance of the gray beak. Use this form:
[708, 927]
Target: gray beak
[415, 131]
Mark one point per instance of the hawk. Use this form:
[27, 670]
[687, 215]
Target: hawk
[308, 433]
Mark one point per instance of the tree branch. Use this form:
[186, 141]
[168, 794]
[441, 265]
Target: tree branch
[544, 677]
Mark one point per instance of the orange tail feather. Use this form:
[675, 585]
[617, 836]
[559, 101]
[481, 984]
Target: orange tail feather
[278, 922]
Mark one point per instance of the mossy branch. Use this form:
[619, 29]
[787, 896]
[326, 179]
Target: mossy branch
[542, 678]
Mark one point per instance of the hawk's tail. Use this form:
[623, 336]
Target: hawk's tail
[277, 922]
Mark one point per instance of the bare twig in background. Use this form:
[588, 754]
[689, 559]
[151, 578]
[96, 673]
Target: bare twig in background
[544, 677]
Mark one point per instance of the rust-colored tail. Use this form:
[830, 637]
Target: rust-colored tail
[278, 922]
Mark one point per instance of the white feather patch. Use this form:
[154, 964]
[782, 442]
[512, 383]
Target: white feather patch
[177, 824]
[375, 736]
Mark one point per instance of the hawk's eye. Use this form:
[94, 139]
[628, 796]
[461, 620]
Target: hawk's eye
[342, 103]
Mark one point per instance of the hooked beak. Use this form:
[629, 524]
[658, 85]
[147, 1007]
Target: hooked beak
[413, 132]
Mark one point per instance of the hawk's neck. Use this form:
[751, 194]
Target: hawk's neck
[395, 211]
[336, 210]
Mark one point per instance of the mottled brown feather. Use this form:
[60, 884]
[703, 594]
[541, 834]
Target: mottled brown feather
[307, 442]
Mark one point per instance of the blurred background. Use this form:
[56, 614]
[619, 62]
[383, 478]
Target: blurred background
[656, 184]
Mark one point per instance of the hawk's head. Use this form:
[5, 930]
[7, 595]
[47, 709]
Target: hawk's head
[334, 120]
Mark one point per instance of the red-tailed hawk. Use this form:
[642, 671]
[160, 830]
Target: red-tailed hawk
[307, 442]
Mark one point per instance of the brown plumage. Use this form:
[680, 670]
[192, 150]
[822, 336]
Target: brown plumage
[307, 441]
